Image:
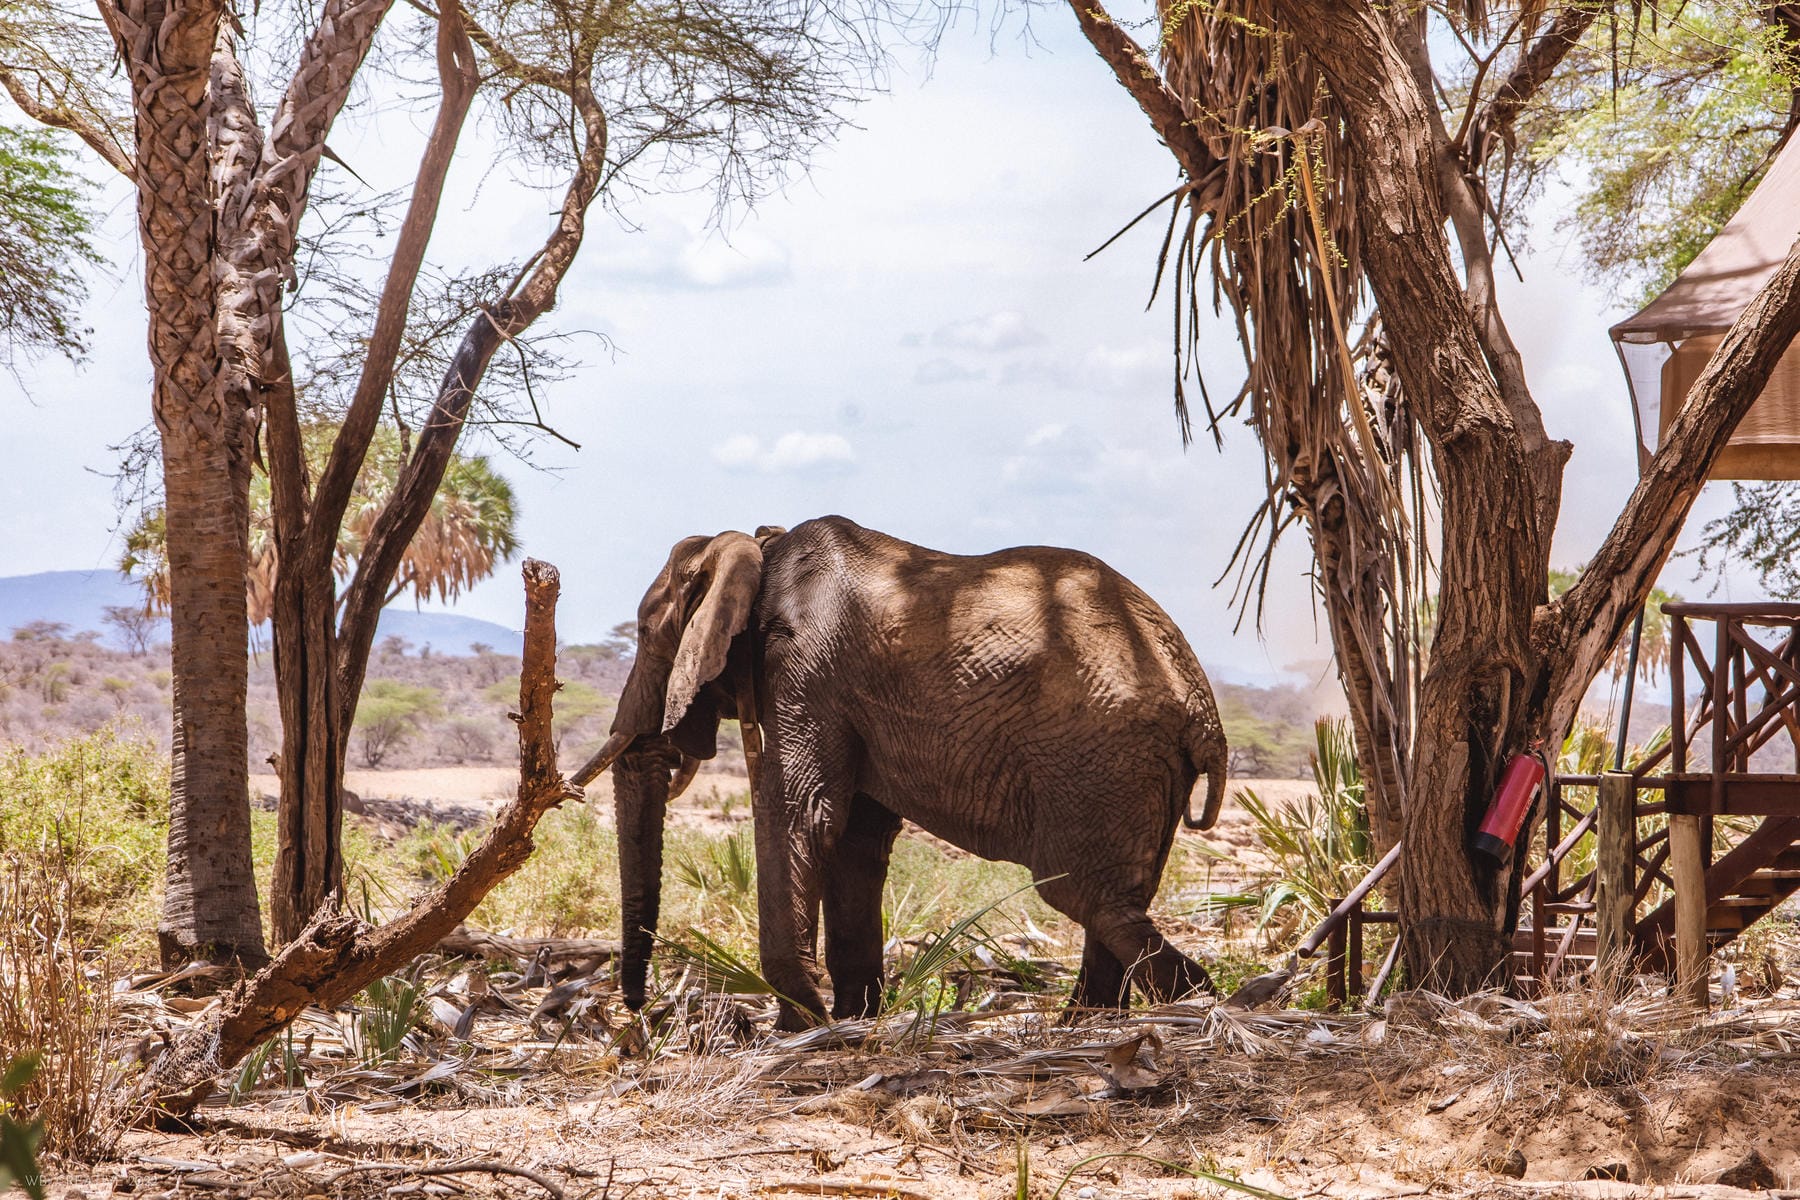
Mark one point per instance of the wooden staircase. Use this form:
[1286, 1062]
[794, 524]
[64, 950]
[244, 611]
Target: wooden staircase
[1744, 885]
[1748, 698]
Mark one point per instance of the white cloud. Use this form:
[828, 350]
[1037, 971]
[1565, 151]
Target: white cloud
[669, 256]
[1004, 330]
[1063, 460]
[794, 452]
[747, 260]
[1113, 370]
[942, 370]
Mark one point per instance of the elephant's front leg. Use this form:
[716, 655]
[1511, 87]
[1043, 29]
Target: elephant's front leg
[787, 901]
[852, 902]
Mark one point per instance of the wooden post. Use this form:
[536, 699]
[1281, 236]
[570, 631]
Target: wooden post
[1336, 983]
[1687, 869]
[1615, 836]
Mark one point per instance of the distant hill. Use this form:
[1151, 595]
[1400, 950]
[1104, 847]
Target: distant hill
[79, 599]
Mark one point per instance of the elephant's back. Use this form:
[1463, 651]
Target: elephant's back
[1058, 626]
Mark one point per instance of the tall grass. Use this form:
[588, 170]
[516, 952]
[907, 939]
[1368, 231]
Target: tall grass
[54, 1008]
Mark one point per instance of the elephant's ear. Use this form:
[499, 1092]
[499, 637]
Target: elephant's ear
[732, 576]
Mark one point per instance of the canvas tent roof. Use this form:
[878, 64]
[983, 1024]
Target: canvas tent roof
[1665, 345]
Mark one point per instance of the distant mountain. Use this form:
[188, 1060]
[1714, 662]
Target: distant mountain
[79, 599]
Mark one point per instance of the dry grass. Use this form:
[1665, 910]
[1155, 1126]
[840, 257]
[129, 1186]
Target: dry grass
[55, 1007]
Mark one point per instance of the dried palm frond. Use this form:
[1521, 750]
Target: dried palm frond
[1275, 228]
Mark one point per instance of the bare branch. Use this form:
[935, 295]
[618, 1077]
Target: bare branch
[60, 116]
[424, 471]
[1134, 70]
[1528, 76]
[456, 72]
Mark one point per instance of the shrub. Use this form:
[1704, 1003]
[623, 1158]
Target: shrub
[390, 713]
[99, 803]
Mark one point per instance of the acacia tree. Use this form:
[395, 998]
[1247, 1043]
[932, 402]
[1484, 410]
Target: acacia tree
[600, 95]
[1349, 203]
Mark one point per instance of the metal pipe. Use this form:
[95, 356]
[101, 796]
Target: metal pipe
[1631, 661]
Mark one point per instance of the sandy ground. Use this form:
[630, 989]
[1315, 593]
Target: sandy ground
[715, 798]
[488, 787]
[1376, 1106]
[1394, 1120]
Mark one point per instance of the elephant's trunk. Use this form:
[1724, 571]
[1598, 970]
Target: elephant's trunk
[641, 797]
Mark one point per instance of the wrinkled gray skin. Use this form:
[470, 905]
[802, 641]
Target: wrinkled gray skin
[1030, 705]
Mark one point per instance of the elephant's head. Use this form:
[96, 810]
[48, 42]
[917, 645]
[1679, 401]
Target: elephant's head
[685, 678]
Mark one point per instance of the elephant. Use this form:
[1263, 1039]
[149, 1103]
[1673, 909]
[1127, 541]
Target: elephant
[1030, 705]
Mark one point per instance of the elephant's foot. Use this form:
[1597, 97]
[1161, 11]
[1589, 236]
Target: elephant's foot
[1168, 975]
[856, 1001]
[792, 1018]
[802, 1006]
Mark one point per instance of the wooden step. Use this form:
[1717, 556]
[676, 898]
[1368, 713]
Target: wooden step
[1775, 885]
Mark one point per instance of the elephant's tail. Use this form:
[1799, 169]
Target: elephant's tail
[1208, 752]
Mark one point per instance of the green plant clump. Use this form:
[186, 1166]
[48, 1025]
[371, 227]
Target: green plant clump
[1320, 843]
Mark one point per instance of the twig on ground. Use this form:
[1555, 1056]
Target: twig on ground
[825, 1187]
[485, 1166]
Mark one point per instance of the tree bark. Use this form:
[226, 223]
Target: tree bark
[315, 720]
[210, 907]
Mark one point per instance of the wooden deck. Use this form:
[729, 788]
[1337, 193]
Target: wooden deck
[1715, 774]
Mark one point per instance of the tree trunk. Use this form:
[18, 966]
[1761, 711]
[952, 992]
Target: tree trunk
[314, 734]
[209, 907]
[1353, 607]
[1493, 467]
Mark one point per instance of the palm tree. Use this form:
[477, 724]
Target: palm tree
[469, 532]
[1655, 644]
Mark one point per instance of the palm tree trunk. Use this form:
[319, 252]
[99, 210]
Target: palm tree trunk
[210, 908]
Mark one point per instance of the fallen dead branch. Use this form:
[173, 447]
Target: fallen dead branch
[337, 955]
[483, 1166]
[475, 943]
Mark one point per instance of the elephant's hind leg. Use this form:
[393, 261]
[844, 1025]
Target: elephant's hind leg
[1121, 930]
[854, 877]
[1154, 964]
[1101, 982]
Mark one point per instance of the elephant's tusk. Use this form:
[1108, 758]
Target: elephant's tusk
[603, 758]
[690, 767]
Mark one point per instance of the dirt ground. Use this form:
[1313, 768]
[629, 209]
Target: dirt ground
[1490, 1097]
[1367, 1107]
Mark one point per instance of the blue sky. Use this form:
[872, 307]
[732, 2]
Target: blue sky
[908, 335]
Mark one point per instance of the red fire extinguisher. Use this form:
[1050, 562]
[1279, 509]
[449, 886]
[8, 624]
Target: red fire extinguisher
[1519, 783]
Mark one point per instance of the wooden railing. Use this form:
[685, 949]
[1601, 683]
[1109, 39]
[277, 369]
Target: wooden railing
[1341, 932]
[1702, 771]
[1734, 726]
